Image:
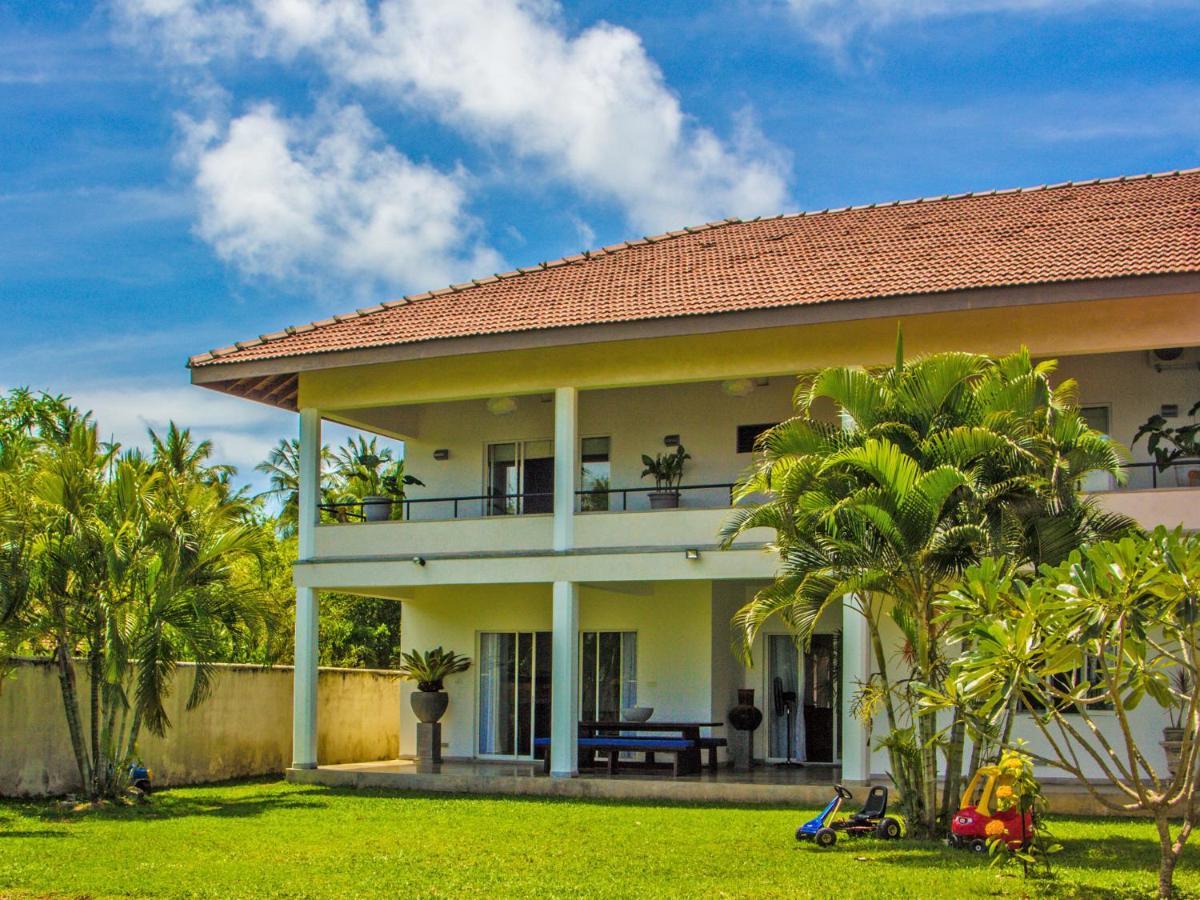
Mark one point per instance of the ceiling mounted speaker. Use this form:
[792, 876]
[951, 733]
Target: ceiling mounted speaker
[1167, 354]
[501, 406]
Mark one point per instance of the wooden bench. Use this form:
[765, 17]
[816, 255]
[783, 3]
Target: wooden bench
[711, 744]
[615, 745]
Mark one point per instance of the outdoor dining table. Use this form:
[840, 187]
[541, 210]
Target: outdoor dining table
[688, 731]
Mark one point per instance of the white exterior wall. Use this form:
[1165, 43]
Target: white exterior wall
[1129, 385]
[635, 419]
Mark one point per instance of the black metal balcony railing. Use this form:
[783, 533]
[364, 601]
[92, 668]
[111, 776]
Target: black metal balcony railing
[476, 506]
[1180, 473]
[1142, 476]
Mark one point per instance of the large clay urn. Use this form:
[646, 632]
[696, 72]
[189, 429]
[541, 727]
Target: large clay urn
[745, 716]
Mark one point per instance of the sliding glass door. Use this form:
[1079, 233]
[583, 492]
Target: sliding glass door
[520, 477]
[514, 692]
[608, 674]
[802, 698]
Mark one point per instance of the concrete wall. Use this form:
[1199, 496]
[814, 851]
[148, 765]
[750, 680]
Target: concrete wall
[243, 729]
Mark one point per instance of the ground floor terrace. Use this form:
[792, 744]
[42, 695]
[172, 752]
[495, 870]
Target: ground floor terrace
[547, 659]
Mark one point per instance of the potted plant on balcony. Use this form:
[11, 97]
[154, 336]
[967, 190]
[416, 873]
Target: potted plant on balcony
[373, 478]
[667, 470]
[1168, 445]
[429, 670]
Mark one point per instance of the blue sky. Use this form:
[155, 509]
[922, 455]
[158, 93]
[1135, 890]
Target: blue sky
[179, 174]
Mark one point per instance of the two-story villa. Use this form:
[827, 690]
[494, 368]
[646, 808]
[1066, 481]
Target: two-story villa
[526, 400]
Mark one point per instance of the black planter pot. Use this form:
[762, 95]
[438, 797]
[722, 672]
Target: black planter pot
[745, 716]
[429, 706]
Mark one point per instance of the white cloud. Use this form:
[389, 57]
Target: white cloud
[837, 23]
[326, 197]
[592, 108]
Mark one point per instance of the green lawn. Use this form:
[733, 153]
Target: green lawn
[280, 839]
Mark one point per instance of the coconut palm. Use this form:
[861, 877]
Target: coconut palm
[932, 464]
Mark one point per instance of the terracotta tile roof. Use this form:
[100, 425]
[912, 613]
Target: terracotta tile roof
[1108, 228]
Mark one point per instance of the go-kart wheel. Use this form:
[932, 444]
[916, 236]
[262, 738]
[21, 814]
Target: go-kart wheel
[825, 837]
[802, 835]
[954, 842]
[888, 829]
[979, 845]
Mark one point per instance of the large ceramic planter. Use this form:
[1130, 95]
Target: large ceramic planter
[429, 706]
[745, 717]
[664, 499]
[1172, 744]
[377, 509]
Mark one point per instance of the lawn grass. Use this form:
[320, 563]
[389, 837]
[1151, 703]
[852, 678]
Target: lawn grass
[274, 838]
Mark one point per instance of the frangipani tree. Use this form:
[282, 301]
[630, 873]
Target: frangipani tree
[1075, 651]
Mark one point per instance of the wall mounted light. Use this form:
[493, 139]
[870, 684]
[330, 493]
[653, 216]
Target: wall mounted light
[671, 440]
[441, 454]
[738, 387]
[418, 560]
[501, 406]
[691, 553]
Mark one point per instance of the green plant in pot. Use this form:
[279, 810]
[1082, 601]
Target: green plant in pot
[1172, 742]
[667, 471]
[429, 670]
[373, 477]
[1169, 445]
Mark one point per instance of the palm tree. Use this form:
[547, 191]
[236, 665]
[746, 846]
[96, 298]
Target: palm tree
[933, 464]
[282, 466]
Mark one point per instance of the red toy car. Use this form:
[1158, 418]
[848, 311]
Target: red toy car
[969, 828]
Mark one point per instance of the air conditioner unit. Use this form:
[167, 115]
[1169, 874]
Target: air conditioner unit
[1168, 358]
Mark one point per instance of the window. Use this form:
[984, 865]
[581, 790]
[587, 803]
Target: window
[748, 434]
[1088, 673]
[608, 674]
[1097, 417]
[520, 477]
[594, 474]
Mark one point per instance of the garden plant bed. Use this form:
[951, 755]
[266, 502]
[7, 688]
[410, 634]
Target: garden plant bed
[276, 838]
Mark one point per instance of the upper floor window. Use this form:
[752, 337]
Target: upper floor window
[520, 477]
[595, 472]
[748, 434]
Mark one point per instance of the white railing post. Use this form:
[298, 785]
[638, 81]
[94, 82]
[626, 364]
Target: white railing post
[566, 465]
[564, 684]
[304, 686]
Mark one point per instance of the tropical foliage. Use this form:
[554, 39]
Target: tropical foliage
[118, 565]
[125, 564]
[924, 468]
[431, 668]
[1074, 650]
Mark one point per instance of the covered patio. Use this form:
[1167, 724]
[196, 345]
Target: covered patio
[809, 785]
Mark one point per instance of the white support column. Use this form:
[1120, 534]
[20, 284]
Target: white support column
[310, 481]
[566, 465]
[564, 685]
[304, 689]
[856, 669]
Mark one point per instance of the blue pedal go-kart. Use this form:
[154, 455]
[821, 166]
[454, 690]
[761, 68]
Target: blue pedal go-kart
[870, 821]
[141, 778]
